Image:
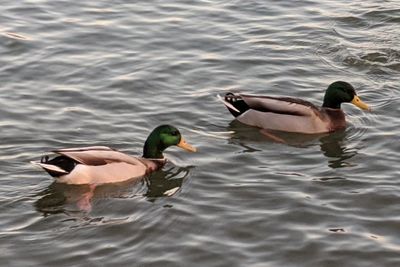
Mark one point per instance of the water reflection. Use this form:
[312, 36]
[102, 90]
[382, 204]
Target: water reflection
[63, 198]
[165, 182]
[333, 145]
[335, 149]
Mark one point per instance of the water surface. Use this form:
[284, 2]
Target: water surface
[108, 72]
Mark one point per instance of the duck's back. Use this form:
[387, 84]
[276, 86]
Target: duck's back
[283, 114]
[96, 165]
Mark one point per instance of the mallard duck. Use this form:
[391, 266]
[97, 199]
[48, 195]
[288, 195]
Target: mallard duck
[293, 114]
[101, 164]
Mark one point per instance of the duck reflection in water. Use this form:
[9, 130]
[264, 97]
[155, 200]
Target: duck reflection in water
[334, 148]
[64, 198]
[333, 145]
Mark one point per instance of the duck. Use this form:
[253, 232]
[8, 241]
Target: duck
[102, 164]
[295, 115]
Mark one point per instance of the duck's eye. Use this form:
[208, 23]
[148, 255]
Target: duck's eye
[174, 133]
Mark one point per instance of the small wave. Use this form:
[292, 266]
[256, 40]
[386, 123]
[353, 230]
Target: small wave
[379, 96]
[343, 57]
[219, 135]
[16, 36]
[358, 127]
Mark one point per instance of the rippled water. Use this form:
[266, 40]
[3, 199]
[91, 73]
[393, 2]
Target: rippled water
[107, 72]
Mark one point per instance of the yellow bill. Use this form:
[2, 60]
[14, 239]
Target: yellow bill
[357, 101]
[182, 144]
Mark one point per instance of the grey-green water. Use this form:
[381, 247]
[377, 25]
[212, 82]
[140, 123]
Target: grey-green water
[107, 72]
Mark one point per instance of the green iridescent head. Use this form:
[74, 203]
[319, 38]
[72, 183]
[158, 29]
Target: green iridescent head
[342, 92]
[161, 138]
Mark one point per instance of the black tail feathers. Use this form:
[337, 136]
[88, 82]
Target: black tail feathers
[63, 162]
[237, 102]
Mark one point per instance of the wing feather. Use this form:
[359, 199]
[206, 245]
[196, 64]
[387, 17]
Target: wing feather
[99, 155]
[87, 148]
[284, 122]
[110, 173]
[280, 105]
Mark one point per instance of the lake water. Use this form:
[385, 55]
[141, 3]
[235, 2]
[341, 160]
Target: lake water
[107, 72]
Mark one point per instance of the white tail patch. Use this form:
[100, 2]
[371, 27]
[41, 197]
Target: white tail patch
[229, 105]
[49, 167]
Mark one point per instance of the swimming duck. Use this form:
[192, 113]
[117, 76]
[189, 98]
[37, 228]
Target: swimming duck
[101, 164]
[293, 114]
